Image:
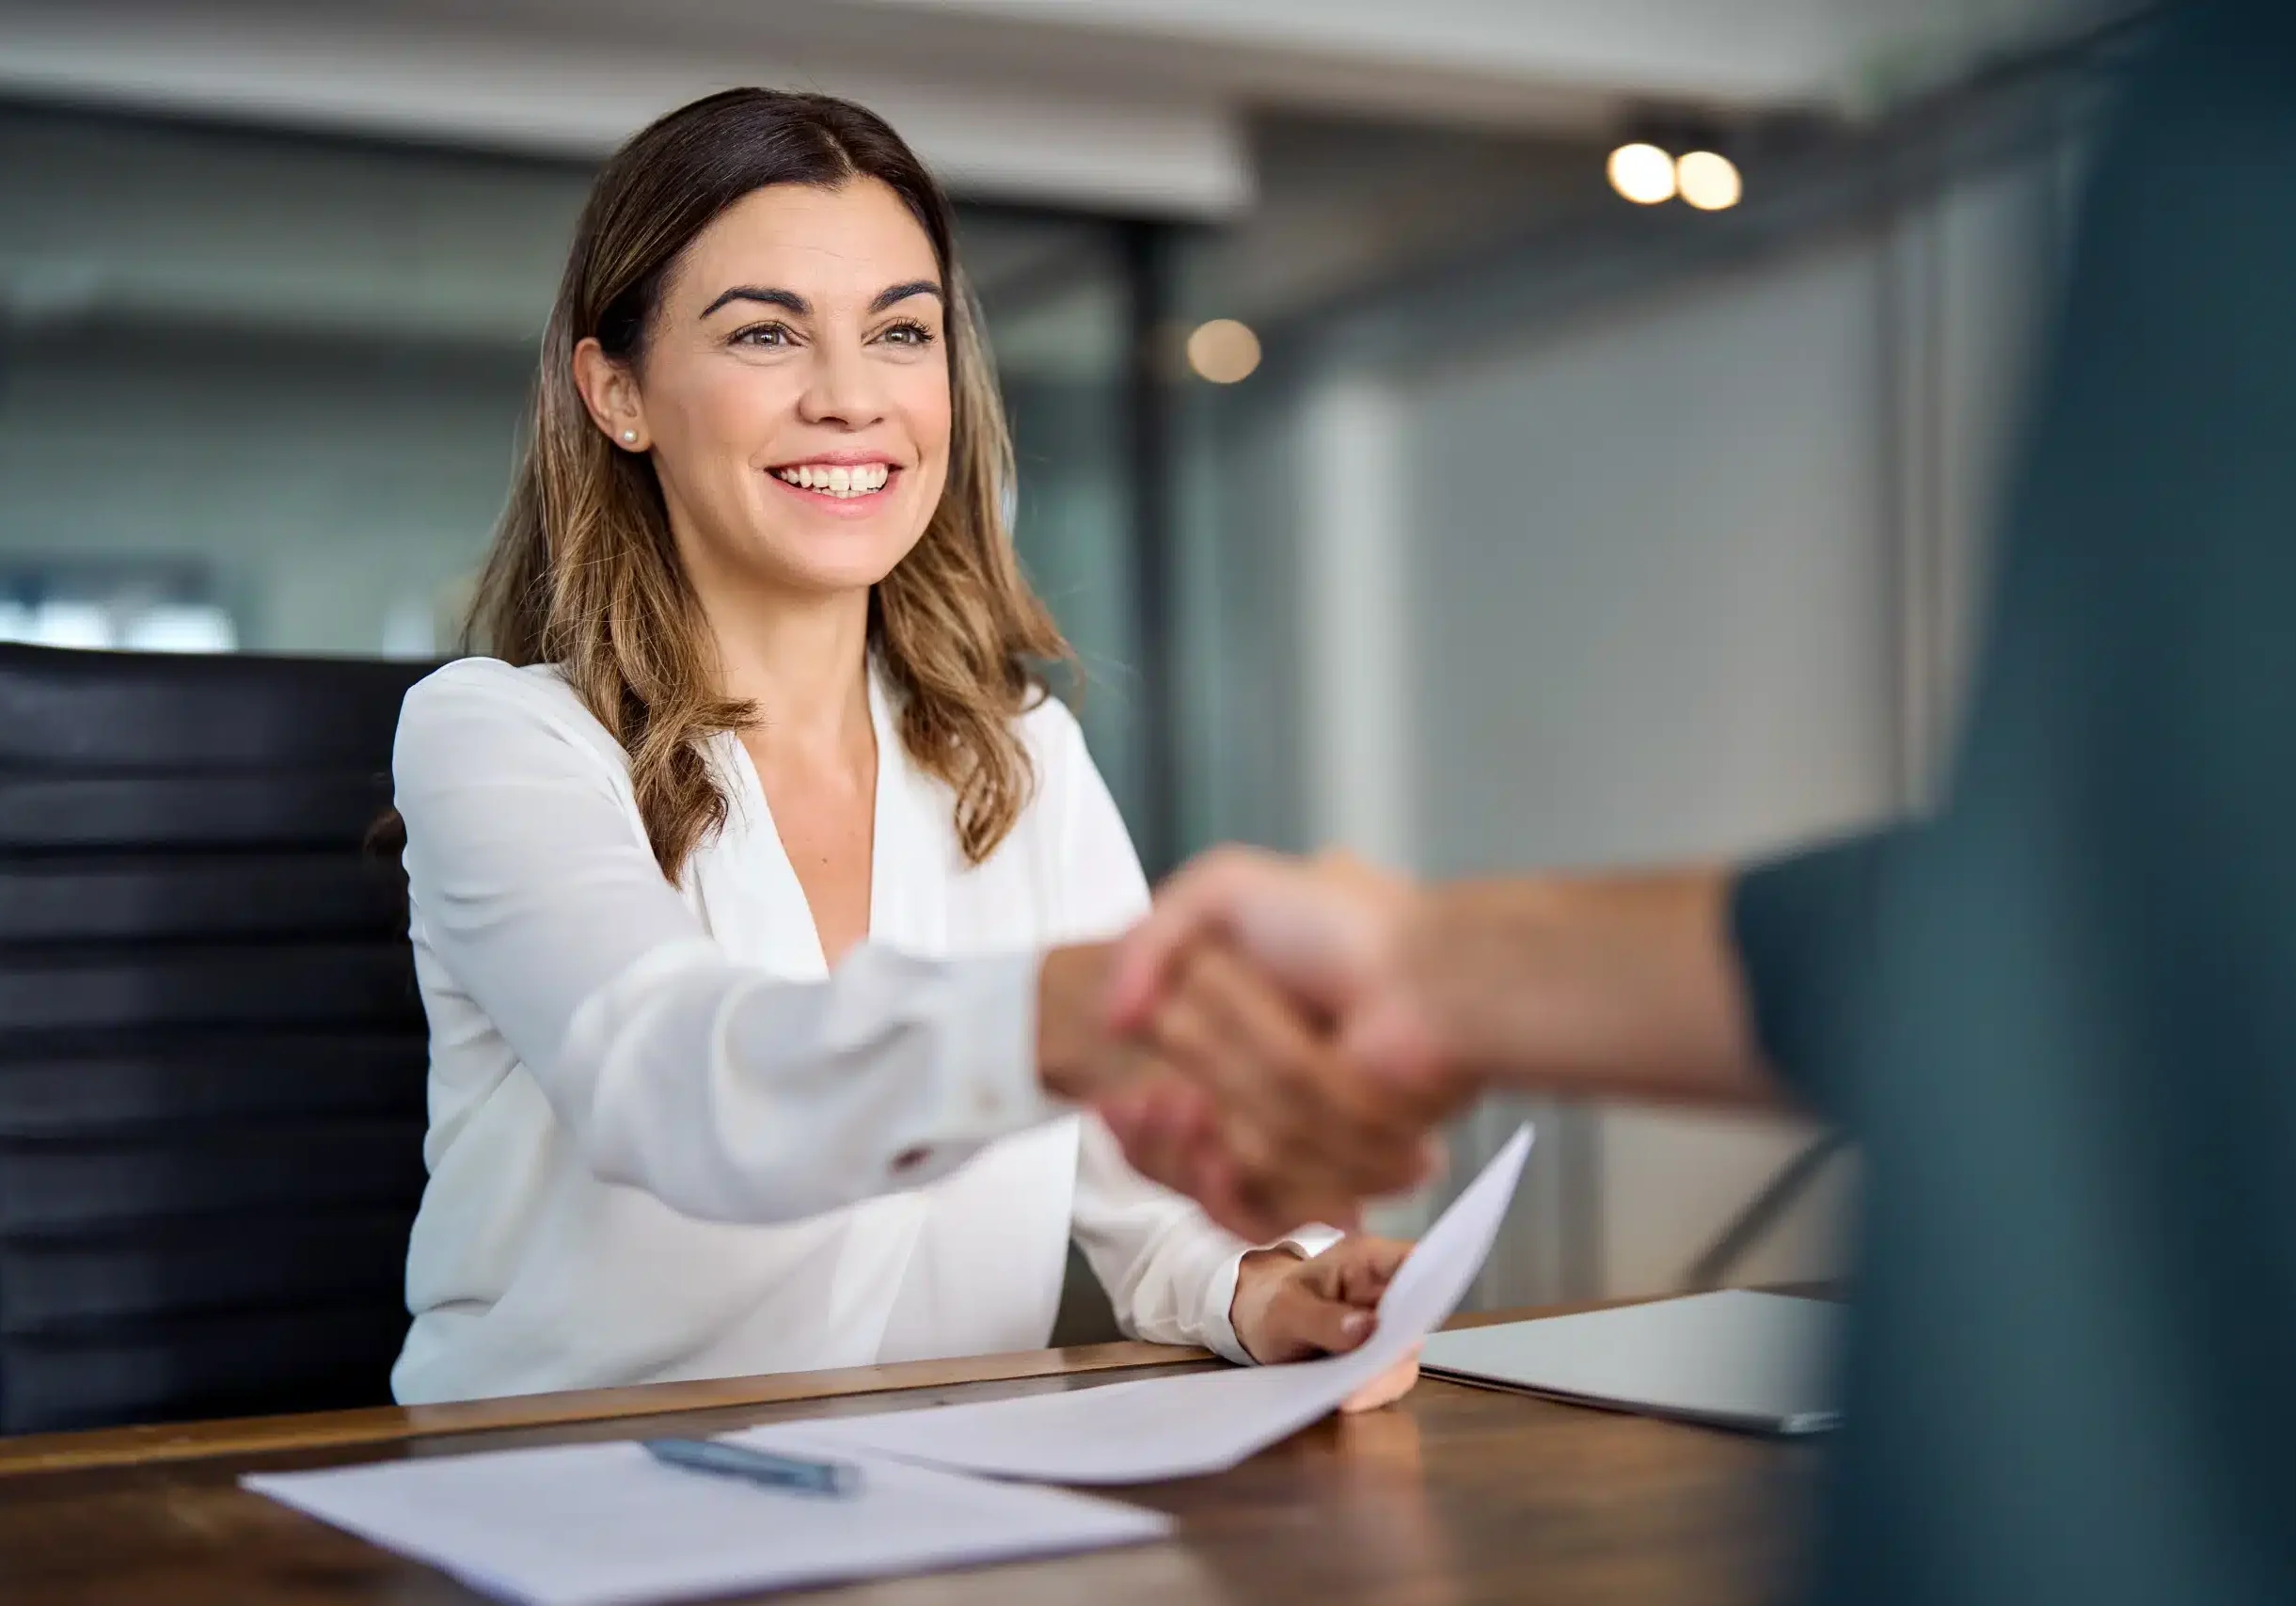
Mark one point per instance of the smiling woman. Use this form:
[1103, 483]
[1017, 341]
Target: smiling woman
[757, 889]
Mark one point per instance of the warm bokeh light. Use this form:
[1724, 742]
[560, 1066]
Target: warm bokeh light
[1642, 173]
[1223, 351]
[1709, 181]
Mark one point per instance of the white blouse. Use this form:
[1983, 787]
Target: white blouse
[666, 1141]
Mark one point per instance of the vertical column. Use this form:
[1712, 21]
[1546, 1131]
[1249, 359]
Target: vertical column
[1357, 675]
[1362, 770]
[1360, 690]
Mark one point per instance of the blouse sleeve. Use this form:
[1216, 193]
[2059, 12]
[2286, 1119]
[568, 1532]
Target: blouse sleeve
[728, 1093]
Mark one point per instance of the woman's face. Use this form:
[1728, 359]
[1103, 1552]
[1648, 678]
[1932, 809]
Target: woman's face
[793, 390]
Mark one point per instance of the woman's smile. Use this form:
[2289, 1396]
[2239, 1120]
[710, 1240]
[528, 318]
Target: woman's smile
[846, 482]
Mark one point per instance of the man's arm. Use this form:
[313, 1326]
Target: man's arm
[1614, 986]
[1687, 986]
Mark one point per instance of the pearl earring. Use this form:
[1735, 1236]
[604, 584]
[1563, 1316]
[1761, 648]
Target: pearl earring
[630, 436]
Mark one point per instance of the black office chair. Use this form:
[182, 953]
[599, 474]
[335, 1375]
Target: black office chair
[212, 1052]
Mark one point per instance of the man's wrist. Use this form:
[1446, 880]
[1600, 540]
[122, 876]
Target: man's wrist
[1627, 984]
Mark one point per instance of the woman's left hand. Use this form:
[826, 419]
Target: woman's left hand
[1290, 1308]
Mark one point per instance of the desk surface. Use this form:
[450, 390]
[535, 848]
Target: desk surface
[1456, 1496]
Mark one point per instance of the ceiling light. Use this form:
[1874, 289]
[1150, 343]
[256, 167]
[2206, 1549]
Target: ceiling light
[1709, 181]
[1223, 351]
[1642, 173]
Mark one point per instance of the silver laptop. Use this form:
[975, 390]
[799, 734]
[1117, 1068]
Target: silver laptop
[1762, 1363]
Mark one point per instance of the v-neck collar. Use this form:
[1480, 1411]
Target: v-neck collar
[914, 837]
[758, 909]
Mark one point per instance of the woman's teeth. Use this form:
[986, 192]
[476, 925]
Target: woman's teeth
[861, 480]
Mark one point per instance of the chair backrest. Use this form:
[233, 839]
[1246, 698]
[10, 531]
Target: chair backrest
[212, 1052]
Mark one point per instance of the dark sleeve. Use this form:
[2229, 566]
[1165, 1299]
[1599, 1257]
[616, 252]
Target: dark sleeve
[1805, 929]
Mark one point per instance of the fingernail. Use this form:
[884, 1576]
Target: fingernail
[1356, 1323]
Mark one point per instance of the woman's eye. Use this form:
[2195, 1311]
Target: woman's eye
[907, 334]
[763, 335]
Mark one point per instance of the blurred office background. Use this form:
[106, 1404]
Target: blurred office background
[1402, 483]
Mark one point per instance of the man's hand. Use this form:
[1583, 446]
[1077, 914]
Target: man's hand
[1330, 931]
[1249, 1108]
[1223, 1036]
[1343, 1113]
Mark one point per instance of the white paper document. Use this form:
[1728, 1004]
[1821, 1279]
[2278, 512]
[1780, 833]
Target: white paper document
[1178, 1428]
[607, 1525]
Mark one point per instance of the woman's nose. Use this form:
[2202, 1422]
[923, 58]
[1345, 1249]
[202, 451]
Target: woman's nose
[844, 387]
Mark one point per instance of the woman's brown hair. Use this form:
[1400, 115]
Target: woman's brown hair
[585, 574]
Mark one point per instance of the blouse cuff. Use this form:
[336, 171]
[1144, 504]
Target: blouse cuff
[998, 1060]
[1213, 1323]
[1312, 1239]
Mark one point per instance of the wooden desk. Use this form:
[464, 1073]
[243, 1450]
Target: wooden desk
[1457, 1496]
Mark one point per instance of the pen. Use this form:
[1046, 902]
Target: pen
[836, 1479]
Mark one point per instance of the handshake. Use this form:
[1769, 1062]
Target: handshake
[1278, 1039]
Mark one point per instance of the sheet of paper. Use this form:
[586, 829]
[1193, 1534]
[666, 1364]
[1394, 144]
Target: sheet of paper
[607, 1525]
[1178, 1428]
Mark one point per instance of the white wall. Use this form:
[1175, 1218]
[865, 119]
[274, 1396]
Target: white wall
[1651, 597]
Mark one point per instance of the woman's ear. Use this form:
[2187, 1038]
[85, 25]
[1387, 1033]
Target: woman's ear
[612, 395]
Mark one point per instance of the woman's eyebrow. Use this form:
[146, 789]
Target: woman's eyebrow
[899, 293]
[787, 299]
